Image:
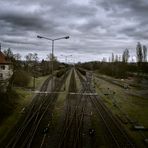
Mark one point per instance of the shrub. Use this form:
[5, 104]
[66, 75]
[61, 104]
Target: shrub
[21, 78]
[8, 102]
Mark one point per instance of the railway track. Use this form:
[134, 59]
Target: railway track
[27, 133]
[113, 127]
[71, 134]
[31, 113]
[39, 113]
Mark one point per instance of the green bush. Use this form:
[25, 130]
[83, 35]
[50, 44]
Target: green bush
[21, 78]
[8, 102]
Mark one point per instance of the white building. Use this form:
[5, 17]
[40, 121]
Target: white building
[6, 71]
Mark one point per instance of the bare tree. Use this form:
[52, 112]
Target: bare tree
[139, 52]
[29, 57]
[120, 58]
[116, 58]
[49, 57]
[17, 56]
[125, 56]
[109, 59]
[35, 57]
[9, 54]
[144, 53]
[113, 58]
[104, 59]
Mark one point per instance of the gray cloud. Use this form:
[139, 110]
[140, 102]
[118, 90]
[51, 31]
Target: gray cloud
[95, 27]
[133, 13]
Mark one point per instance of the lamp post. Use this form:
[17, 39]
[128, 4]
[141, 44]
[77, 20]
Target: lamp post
[52, 52]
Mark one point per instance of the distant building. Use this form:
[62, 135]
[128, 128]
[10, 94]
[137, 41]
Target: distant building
[6, 71]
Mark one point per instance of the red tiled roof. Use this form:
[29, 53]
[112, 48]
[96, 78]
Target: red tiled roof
[3, 59]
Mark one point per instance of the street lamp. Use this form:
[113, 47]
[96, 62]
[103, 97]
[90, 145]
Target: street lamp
[52, 40]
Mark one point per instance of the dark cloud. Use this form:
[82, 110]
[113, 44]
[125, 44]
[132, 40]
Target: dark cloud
[136, 33]
[26, 21]
[95, 27]
[133, 12]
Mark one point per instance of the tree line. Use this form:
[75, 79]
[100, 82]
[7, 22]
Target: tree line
[141, 55]
[120, 66]
[30, 66]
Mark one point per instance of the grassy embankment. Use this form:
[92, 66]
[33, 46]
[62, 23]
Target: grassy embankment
[127, 106]
[24, 98]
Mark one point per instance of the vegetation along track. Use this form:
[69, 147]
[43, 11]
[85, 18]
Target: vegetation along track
[114, 129]
[26, 133]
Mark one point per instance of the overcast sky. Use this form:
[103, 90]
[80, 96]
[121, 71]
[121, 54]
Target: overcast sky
[96, 27]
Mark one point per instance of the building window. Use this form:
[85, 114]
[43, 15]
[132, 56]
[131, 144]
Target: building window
[1, 75]
[3, 67]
